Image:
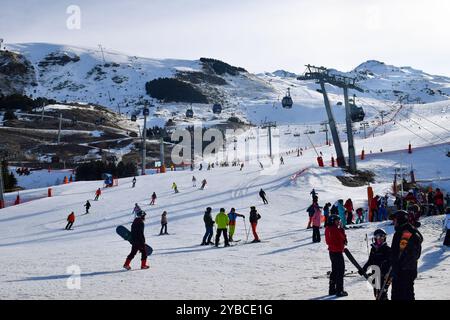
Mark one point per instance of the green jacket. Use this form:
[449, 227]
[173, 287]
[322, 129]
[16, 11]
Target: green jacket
[222, 220]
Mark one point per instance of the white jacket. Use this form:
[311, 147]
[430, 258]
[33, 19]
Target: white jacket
[446, 224]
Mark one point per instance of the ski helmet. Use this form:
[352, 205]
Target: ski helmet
[141, 214]
[401, 216]
[379, 236]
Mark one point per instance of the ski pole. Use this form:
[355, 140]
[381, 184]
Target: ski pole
[245, 226]
[367, 243]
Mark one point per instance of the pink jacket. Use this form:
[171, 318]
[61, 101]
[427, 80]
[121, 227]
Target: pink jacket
[317, 217]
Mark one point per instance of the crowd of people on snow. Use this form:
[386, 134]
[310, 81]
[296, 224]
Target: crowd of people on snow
[23, 171]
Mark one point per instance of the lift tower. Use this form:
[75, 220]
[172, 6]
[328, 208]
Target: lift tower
[322, 75]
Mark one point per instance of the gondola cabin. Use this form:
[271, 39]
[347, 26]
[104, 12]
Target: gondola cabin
[189, 113]
[287, 102]
[217, 108]
[356, 113]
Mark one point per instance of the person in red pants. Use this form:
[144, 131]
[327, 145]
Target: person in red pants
[138, 242]
[254, 217]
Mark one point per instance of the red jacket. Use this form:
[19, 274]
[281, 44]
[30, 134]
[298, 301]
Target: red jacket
[439, 198]
[98, 192]
[71, 218]
[335, 238]
[348, 206]
[374, 203]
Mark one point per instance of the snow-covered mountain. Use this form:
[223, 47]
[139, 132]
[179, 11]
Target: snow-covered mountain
[118, 81]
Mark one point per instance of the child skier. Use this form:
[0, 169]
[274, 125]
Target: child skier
[70, 220]
[349, 211]
[209, 224]
[254, 217]
[232, 224]
[174, 187]
[163, 223]
[360, 214]
[446, 227]
[222, 222]
[137, 242]
[88, 206]
[336, 240]
[97, 194]
[380, 256]
[152, 203]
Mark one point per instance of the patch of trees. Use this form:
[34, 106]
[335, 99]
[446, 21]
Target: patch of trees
[220, 67]
[174, 90]
[9, 180]
[94, 170]
[21, 102]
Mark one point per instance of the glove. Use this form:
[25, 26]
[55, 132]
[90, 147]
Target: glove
[361, 272]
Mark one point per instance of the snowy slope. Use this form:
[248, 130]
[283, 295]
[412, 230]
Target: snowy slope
[34, 244]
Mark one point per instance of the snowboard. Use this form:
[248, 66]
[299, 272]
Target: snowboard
[126, 235]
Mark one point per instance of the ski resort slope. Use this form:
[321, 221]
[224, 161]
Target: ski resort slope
[36, 251]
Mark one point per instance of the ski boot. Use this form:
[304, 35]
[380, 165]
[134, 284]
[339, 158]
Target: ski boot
[127, 264]
[341, 294]
[144, 264]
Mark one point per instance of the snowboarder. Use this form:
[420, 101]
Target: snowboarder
[70, 220]
[209, 224]
[137, 210]
[316, 222]
[446, 227]
[163, 223]
[406, 250]
[222, 222]
[254, 217]
[194, 182]
[232, 224]
[152, 203]
[203, 184]
[174, 187]
[134, 182]
[380, 256]
[138, 242]
[336, 240]
[97, 194]
[88, 206]
[262, 194]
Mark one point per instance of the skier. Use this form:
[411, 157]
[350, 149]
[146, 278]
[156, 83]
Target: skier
[97, 194]
[261, 165]
[242, 166]
[326, 212]
[262, 194]
[439, 201]
[137, 210]
[194, 182]
[232, 225]
[137, 242]
[209, 224]
[349, 211]
[152, 203]
[203, 184]
[254, 217]
[88, 206]
[341, 212]
[200, 167]
[380, 256]
[446, 227]
[70, 220]
[281, 160]
[222, 222]
[174, 187]
[163, 223]
[336, 240]
[314, 194]
[406, 250]
[134, 182]
[316, 222]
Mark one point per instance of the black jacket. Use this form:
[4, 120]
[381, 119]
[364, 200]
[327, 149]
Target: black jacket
[137, 232]
[406, 259]
[380, 257]
[207, 218]
[254, 216]
[262, 194]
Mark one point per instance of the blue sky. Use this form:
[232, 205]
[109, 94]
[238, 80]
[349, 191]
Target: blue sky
[259, 35]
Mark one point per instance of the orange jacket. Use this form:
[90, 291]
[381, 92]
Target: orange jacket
[71, 217]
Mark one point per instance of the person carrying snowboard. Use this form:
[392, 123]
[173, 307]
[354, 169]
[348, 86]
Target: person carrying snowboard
[87, 206]
[194, 182]
[163, 223]
[406, 250]
[152, 203]
[380, 256]
[336, 240]
[262, 194]
[137, 242]
[222, 222]
[232, 216]
[134, 182]
[446, 227]
[174, 187]
[203, 184]
[209, 225]
[97, 194]
[254, 217]
[70, 220]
